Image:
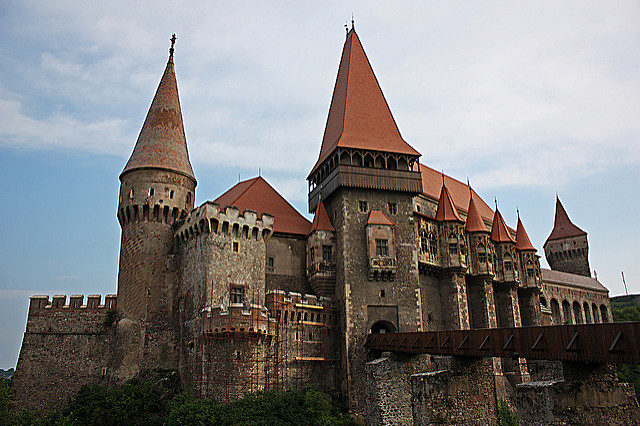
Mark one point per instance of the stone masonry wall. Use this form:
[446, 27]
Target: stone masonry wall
[64, 347]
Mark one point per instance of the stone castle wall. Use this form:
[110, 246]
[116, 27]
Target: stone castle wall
[64, 347]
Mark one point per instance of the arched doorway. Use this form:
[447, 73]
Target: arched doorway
[382, 327]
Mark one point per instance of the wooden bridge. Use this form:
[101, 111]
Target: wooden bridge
[588, 343]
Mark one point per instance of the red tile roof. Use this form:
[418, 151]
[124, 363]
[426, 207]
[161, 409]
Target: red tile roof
[562, 225]
[446, 208]
[257, 195]
[499, 231]
[359, 116]
[557, 277]
[321, 220]
[162, 143]
[432, 185]
[376, 217]
[474, 221]
[522, 239]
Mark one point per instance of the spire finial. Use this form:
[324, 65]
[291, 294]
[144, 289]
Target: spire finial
[518, 212]
[353, 25]
[469, 185]
[495, 200]
[171, 49]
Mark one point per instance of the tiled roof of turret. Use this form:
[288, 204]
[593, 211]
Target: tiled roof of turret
[474, 221]
[321, 220]
[562, 225]
[377, 217]
[359, 116]
[522, 239]
[257, 195]
[499, 231]
[162, 143]
[446, 207]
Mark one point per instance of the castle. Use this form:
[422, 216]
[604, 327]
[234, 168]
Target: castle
[243, 293]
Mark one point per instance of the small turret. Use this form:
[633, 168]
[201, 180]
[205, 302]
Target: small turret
[321, 264]
[505, 258]
[451, 230]
[567, 247]
[479, 243]
[529, 262]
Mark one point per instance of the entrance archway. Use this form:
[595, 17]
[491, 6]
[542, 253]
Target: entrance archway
[382, 327]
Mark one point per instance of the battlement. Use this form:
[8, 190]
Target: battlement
[40, 304]
[210, 218]
[235, 318]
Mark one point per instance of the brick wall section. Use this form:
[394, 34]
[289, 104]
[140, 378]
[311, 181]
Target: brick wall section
[64, 347]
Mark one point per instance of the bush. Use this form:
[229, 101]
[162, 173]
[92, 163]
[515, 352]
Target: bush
[628, 310]
[505, 416]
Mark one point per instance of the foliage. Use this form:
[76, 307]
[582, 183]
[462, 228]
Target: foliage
[154, 400]
[110, 317]
[505, 416]
[4, 400]
[627, 309]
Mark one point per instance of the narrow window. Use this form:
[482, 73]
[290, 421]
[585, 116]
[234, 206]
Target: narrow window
[188, 197]
[362, 205]
[382, 294]
[382, 249]
[270, 262]
[312, 253]
[507, 265]
[171, 194]
[482, 257]
[453, 248]
[151, 192]
[237, 294]
[235, 246]
[393, 208]
[131, 193]
[326, 253]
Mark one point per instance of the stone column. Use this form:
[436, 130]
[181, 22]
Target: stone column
[453, 295]
[508, 314]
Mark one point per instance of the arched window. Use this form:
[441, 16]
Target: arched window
[171, 193]
[577, 312]
[356, 159]
[566, 312]
[555, 312]
[379, 162]
[402, 164]
[345, 158]
[543, 302]
[594, 311]
[368, 160]
[603, 313]
[391, 163]
[188, 197]
[587, 313]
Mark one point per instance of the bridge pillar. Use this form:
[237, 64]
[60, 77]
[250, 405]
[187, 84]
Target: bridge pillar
[508, 315]
[589, 394]
[455, 308]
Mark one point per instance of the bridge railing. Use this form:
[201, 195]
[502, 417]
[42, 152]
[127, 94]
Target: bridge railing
[610, 343]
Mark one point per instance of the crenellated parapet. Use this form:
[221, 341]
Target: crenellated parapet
[236, 318]
[211, 218]
[41, 305]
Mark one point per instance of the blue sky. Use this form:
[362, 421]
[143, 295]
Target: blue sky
[524, 98]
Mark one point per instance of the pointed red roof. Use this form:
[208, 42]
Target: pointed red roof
[562, 225]
[446, 208]
[359, 116]
[459, 191]
[499, 231]
[321, 220]
[522, 239]
[257, 195]
[162, 143]
[377, 217]
[474, 221]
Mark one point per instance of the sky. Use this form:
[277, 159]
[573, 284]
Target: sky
[524, 98]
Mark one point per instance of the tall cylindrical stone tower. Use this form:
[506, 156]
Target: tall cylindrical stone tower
[156, 188]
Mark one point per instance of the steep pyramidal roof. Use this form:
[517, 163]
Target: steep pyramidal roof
[162, 143]
[321, 220]
[474, 221]
[562, 225]
[377, 217]
[446, 208]
[499, 231]
[522, 239]
[257, 195]
[359, 116]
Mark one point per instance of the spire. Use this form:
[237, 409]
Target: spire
[446, 208]
[321, 221]
[474, 221]
[162, 143]
[522, 239]
[499, 231]
[562, 225]
[359, 116]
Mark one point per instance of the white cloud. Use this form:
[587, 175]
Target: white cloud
[513, 93]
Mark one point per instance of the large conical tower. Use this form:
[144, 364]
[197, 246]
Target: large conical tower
[366, 177]
[567, 247]
[156, 188]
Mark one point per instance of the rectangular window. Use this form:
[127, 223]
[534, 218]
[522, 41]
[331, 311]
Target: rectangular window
[362, 205]
[312, 253]
[482, 257]
[326, 253]
[507, 266]
[530, 273]
[453, 248]
[270, 262]
[382, 249]
[235, 246]
[393, 208]
[237, 294]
